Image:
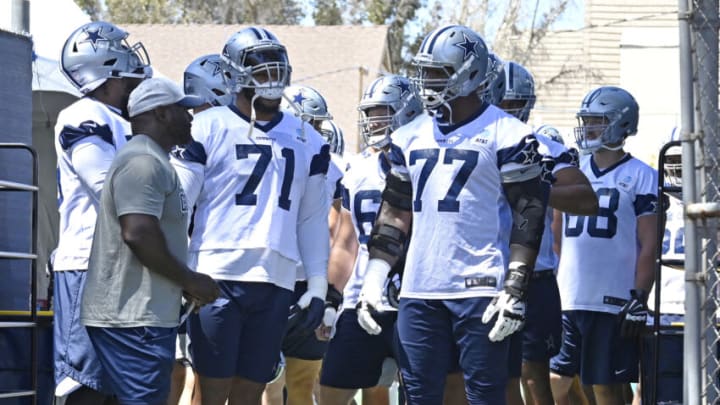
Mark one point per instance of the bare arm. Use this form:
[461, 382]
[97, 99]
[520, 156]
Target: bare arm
[557, 229]
[572, 193]
[647, 236]
[143, 235]
[343, 253]
[334, 220]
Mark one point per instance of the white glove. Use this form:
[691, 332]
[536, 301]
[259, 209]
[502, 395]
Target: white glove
[316, 288]
[329, 316]
[371, 294]
[511, 316]
[312, 303]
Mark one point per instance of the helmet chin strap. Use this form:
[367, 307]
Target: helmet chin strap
[252, 114]
[614, 148]
[437, 113]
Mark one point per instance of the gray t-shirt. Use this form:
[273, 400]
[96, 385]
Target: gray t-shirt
[119, 290]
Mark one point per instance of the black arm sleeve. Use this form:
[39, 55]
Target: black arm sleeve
[528, 202]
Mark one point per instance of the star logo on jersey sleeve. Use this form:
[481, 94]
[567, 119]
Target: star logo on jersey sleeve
[94, 37]
[529, 155]
[468, 46]
[546, 174]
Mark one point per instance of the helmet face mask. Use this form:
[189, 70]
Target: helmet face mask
[205, 78]
[434, 85]
[333, 135]
[98, 51]
[673, 167]
[519, 98]
[376, 125]
[452, 62]
[388, 103]
[673, 161]
[495, 90]
[256, 60]
[607, 116]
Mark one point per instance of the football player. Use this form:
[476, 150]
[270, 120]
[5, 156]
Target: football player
[303, 349]
[205, 78]
[253, 175]
[458, 166]
[105, 68]
[519, 97]
[607, 263]
[355, 358]
[532, 348]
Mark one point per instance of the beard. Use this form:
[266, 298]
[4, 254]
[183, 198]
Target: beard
[262, 105]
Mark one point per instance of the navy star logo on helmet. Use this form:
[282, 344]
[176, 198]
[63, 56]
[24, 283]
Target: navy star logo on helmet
[215, 66]
[298, 98]
[468, 46]
[93, 37]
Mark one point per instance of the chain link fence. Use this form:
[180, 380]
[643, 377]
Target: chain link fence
[698, 25]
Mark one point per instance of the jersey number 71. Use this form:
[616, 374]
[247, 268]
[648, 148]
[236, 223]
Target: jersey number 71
[247, 196]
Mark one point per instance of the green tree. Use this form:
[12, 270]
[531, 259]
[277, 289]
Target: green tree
[141, 11]
[327, 12]
[520, 27]
[92, 8]
[262, 12]
[398, 14]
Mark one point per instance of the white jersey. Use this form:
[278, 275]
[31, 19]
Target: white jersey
[256, 197]
[334, 177]
[672, 278]
[599, 253]
[333, 191]
[457, 172]
[87, 136]
[560, 158]
[363, 184]
[556, 157]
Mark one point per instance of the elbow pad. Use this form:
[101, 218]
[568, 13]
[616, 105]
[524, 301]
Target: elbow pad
[398, 190]
[528, 201]
[387, 239]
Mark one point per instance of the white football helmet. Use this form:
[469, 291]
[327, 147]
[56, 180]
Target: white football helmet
[395, 93]
[519, 97]
[550, 132]
[257, 60]
[205, 77]
[452, 62]
[98, 51]
[619, 112]
[333, 136]
[306, 103]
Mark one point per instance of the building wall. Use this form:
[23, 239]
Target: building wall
[628, 44]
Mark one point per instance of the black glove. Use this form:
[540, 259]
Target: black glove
[633, 314]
